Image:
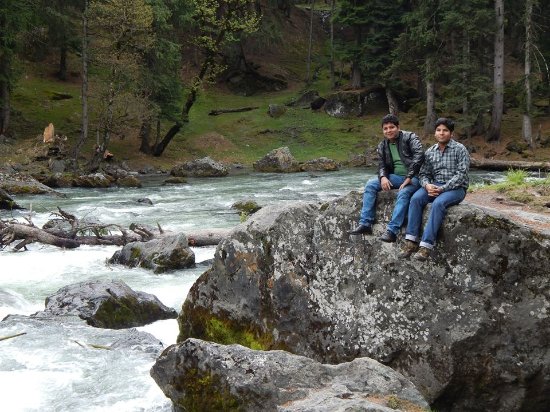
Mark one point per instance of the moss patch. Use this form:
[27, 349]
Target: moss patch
[205, 392]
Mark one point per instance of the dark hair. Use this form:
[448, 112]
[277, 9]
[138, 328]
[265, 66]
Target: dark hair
[390, 118]
[446, 122]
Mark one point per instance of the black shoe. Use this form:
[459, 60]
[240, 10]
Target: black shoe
[388, 237]
[361, 230]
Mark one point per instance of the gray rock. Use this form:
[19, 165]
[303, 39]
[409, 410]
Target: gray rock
[217, 377]
[94, 180]
[305, 100]
[22, 184]
[7, 202]
[322, 164]
[470, 327]
[56, 165]
[276, 110]
[160, 255]
[247, 206]
[277, 161]
[205, 167]
[345, 104]
[107, 304]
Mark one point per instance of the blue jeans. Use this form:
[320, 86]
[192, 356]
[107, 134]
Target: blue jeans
[439, 209]
[368, 211]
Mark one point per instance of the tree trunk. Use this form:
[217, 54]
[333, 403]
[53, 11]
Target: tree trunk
[465, 101]
[526, 127]
[84, 90]
[310, 42]
[393, 105]
[144, 134]
[62, 75]
[5, 109]
[429, 121]
[498, 75]
[332, 78]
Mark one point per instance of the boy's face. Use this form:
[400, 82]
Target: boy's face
[390, 131]
[443, 134]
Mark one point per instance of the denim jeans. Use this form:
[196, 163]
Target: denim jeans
[368, 211]
[439, 209]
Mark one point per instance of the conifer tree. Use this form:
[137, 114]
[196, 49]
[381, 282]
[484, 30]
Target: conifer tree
[15, 17]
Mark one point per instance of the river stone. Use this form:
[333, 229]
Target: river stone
[107, 304]
[22, 184]
[322, 164]
[161, 255]
[7, 202]
[277, 161]
[199, 375]
[205, 167]
[470, 327]
[94, 180]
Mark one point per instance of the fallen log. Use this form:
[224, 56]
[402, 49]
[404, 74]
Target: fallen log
[18, 231]
[207, 237]
[217, 112]
[502, 165]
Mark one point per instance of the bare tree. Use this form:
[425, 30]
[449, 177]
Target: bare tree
[84, 93]
[498, 75]
[527, 132]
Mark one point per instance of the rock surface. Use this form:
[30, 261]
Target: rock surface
[198, 375]
[205, 167]
[107, 304]
[322, 164]
[345, 104]
[161, 255]
[277, 161]
[470, 327]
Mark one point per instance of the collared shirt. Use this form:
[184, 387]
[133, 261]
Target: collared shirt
[449, 167]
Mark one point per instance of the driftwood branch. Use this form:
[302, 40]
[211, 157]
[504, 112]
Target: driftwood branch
[217, 112]
[501, 165]
[207, 237]
[12, 336]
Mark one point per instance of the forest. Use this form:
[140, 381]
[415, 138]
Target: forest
[141, 66]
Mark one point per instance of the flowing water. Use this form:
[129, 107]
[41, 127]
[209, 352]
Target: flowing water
[54, 367]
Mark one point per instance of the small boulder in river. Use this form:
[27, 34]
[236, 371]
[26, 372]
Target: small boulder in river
[277, 161]
[161, 255]
[322, 164]
[205, 167]
[107, 304]
[204, 376]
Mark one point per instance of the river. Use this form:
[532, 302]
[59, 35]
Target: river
[53, 367]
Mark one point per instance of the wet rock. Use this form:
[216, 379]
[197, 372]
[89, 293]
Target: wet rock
[470, 327]
[248, 206]
[216, 377]
[129, 181]
[205, 167]
[175, 180]
[160, 255]
[94, 180]
[145, 200]
[107, 304]
[7, 202]
[322, 164]
[277, 161]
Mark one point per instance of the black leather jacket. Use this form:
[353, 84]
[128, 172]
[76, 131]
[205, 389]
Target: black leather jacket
[410, 150]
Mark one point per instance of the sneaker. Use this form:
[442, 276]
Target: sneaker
[388, 237]
[408, 249]
[422, 254]
[361, 230]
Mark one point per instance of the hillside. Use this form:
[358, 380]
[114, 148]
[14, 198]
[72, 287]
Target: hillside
[40, 98]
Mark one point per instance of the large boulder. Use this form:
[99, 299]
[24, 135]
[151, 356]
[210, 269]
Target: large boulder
[205, 167]
[470, 328]
[7, 202]
[277, 161]
[161, 255]
[345, 104]
[22, 184]
[93, 180]
[198, 375]
[107, 304]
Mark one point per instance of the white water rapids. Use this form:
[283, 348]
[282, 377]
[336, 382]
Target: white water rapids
[53, 367]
